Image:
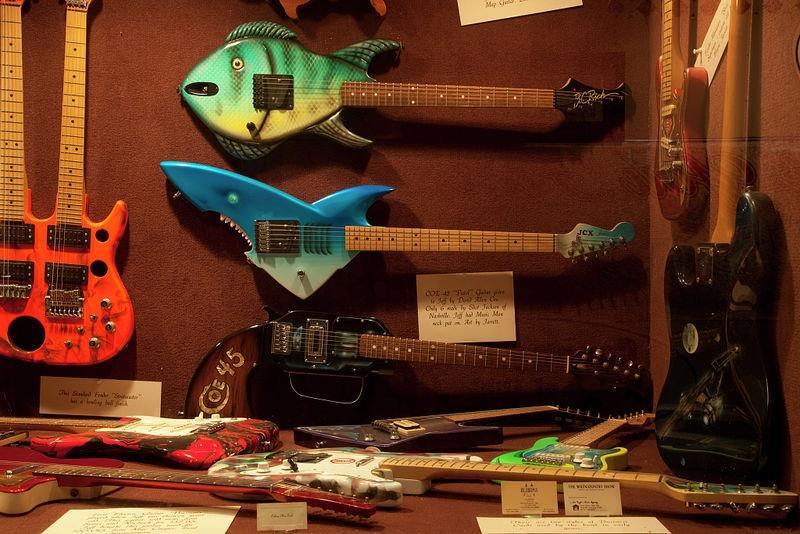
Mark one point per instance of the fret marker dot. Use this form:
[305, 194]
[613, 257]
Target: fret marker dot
[389, 94]
[374, 346]
[432, 358]
[376, 94]
[504, 359]
[529, 361]
[480, 357]
[459, 354]
[352, 94]
[396, 349]
[413, 102]
[385, 347]
[409, 350]
[515, 98]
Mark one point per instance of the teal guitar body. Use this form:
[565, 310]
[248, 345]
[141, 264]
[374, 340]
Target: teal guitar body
[262, 86]
[550, 452]
[255, 209]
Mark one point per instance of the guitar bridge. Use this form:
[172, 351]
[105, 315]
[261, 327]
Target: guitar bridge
[278, 237]
[16, 279]
[281, 338]
[64, 303]
[272, 91]
[316, 334]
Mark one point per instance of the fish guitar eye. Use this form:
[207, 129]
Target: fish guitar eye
[237, 63]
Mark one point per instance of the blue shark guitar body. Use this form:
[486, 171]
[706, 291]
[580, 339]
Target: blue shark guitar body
[242, 201]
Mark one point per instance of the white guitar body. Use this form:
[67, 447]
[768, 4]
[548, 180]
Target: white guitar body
[351, 472]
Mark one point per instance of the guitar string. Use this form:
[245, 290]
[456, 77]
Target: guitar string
[510, 356]
[6, 27]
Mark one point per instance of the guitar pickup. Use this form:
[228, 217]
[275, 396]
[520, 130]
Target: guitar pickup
[13, 233]
[316, 334]
[704, 264]
[278, 237]
[273, 91]
[16, 279]
[65, 274]
[67, 235]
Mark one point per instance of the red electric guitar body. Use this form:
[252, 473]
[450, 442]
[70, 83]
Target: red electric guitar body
[62, 300]
[681, 174]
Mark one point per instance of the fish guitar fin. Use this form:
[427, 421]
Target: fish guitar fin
[261, 28]
[243, 151]
[361, 54]
[335, 129]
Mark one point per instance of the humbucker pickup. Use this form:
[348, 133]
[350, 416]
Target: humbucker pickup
[16, 279]
[273, 91]
[64, 274]
[68, 235]
[278, 237]
[316, 334]
[14, 233]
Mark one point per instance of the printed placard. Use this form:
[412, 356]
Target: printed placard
[177, 520]
[475, 11]
[282, 516]
[99, 396]
[716, 40]
[592, 498]
[466, 307]
[532, 497]
[573, 525]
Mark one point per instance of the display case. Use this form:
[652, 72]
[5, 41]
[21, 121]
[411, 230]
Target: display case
[585, 115]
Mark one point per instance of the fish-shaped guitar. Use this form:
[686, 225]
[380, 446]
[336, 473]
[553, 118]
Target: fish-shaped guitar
[301, 245]
[262, 87]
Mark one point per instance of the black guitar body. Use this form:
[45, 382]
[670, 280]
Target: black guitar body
[714, 414]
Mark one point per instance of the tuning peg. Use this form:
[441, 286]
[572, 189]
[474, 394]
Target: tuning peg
[768, 507]
[715, 506]
[734, 507]
[775, 489]
[751, 507]
[758, 488]
[787, 508]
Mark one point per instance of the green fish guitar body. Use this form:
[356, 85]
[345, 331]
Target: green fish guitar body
[550, 452]
[262, 87]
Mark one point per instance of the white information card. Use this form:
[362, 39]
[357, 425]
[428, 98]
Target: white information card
[475, 11]
[573, 525]
[101, 397]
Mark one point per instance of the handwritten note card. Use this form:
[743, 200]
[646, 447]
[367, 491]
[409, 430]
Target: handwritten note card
[178, 520]
[466, 307]
[716, 40]
[282, 516]
[94, 396]
[573, 525]
[475, 11]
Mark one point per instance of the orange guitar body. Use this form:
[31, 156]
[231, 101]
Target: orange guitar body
[103, 328]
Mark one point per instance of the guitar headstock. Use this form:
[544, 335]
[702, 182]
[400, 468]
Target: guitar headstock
[607, 365]
[640, 419]
[79, 5]
[588, 241]
[736, 497]
[586, 102]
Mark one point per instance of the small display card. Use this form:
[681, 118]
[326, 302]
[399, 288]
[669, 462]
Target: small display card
[572, 525]
[101, 397]
[716, 40]
[282, 516]
[177, 520]
[592, 498]
[475, 11]
[466, 307]
[534, 497]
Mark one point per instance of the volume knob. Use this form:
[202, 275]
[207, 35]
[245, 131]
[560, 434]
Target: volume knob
[110, 326]
[105, 303]
[94, 343]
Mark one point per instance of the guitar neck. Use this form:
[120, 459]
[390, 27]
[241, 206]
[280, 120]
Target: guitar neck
[466, 417]
[417, 468]
[61, 425]
[426, 240]
[595, 434]
[12, 147]
[375, 94]
[436, 352]
[284, 490]
[671, 64]
[733, 152]
[69, 203]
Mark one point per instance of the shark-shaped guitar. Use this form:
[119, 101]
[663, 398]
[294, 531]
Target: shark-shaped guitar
[301, 245]
[262, 87]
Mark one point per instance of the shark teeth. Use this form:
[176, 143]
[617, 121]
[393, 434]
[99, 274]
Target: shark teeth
[227, 220]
